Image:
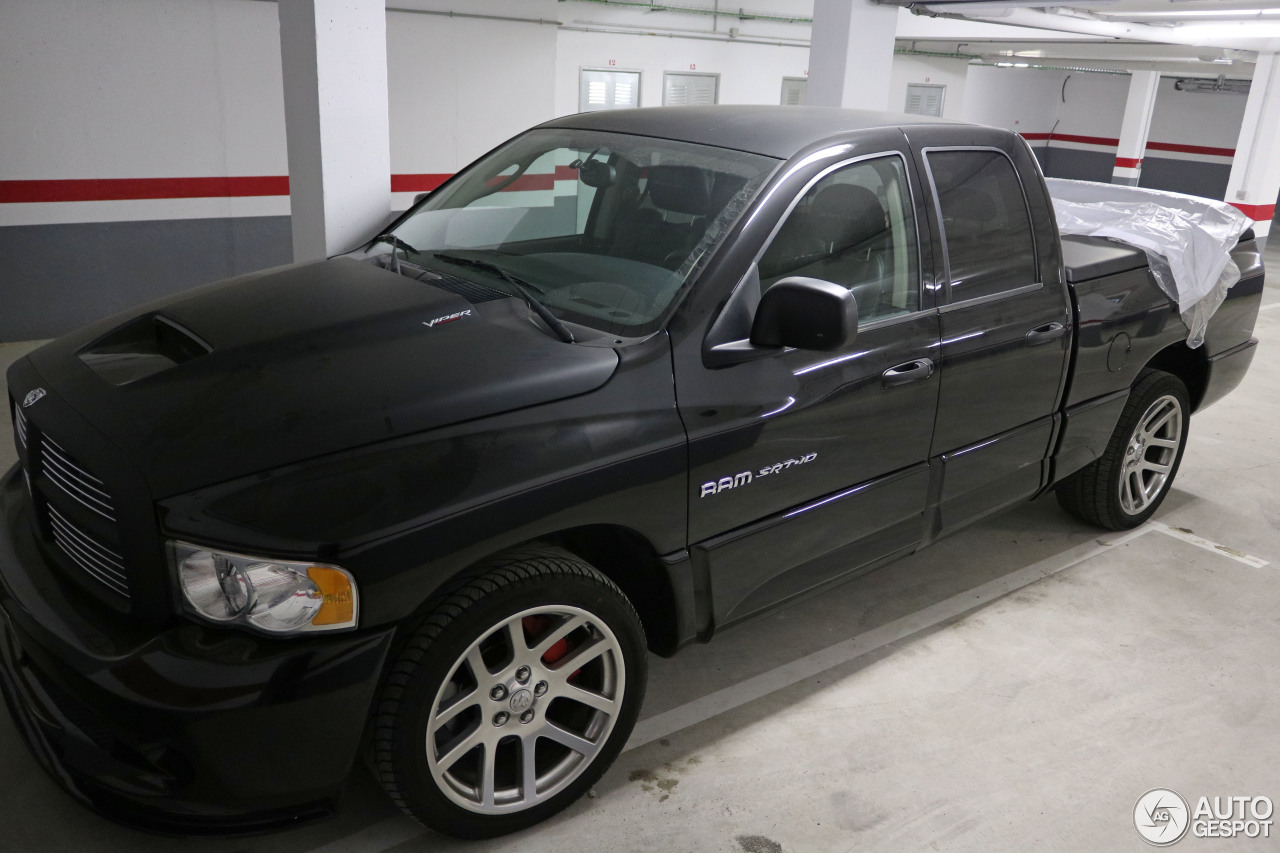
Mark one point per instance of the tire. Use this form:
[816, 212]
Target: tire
[1126, 485]
[457, 765]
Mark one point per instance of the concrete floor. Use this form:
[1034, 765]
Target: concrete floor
[1018, 686]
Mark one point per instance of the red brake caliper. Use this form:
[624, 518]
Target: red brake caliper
[535, 626]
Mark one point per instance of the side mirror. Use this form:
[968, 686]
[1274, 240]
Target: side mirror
[419, 197]
[805, 313]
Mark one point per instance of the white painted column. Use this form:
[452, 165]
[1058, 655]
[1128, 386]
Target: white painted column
[851, 54]
[1135, 127]
[1255, 171]
[334, 57]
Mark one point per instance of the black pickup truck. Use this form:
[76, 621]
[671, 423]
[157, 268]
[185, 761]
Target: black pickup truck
[626, 380]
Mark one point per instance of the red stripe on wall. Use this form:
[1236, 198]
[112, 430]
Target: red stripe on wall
[1205, 150]
[1256, 212]
[1191, 149]
[417, 183]
[1071, 137]
[525, 183]
[117, 189]
[131, 189]
[1128, 162]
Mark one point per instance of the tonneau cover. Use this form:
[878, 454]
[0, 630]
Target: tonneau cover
[1187, 239]
[1093, 257]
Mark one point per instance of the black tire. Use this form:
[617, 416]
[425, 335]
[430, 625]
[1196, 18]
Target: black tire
[1105, 492]
[538, 586]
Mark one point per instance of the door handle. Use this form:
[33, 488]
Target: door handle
[1043, 334]
[911, 371]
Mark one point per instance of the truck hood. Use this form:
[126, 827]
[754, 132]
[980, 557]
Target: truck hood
[296, 362]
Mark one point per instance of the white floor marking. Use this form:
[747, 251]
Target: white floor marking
[397, 830]
[1269, 307]
[1200, 542]
[699, 710]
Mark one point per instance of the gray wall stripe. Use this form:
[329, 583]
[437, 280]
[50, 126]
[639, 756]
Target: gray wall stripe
[56, 278]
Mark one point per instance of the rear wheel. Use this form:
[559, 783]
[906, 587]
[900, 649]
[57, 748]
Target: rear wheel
[513, 696]
[1125, 486]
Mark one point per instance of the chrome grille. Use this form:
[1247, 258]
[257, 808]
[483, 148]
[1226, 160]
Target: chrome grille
[67, 474]
[20, 427]
[96, 559]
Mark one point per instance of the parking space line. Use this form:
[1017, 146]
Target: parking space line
[713, 704]
[1269, 307]
[1200, 542]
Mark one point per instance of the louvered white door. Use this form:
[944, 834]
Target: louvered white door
[925, 99]
[607, 90]
[793, 91]
[682, 89]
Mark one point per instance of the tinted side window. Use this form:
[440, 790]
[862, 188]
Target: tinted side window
[986, 224]
[855, 228]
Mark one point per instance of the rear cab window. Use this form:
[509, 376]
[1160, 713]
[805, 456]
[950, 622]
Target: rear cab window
[986, 225]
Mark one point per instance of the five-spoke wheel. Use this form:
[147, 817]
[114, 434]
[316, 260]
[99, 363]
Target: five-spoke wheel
[1123, 487]
[513, 696]
[525, 709]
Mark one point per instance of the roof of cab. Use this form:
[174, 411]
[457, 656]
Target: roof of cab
[774, 131]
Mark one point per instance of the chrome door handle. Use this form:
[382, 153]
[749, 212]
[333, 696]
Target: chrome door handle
[911, 371]
[1043, 334]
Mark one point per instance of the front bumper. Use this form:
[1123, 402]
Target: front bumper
[183, 729]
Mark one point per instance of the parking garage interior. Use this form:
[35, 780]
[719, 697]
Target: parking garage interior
[1018, 685]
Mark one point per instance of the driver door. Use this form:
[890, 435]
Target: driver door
[806, 465]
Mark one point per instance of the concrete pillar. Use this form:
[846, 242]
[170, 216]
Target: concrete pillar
[851, 54]
[1135, 127]
[1255, 171]
[334, 57]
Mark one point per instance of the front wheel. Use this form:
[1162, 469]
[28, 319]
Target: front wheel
[512, 698]
[1124, 487]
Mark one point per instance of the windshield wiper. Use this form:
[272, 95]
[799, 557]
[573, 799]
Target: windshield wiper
[395, 243]
[522, 287]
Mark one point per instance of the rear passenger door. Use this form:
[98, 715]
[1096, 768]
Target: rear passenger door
[1005, 320]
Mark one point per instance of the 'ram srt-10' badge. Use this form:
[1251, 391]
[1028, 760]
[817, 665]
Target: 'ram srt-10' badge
[724, 484]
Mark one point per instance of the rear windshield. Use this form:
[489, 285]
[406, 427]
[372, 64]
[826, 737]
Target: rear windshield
[606, 228]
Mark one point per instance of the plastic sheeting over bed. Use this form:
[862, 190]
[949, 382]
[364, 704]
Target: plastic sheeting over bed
[1188, 239]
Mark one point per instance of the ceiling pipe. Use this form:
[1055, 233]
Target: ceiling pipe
[1085, 24]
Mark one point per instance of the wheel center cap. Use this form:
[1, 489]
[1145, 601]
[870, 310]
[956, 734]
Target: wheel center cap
[521, 701]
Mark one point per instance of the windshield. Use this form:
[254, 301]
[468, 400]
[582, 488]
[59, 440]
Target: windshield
[606, 228]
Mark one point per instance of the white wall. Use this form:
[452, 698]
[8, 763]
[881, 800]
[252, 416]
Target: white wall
[749, 73]
[140, 89]
[1197, 118]
[460, 86]
[1021, 99]
[191, 88]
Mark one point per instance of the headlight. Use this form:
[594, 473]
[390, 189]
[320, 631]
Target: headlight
[275, 596]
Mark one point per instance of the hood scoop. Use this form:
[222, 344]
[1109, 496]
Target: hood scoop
[141, 348]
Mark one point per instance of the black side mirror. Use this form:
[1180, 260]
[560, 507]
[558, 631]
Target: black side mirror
[805, 313]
